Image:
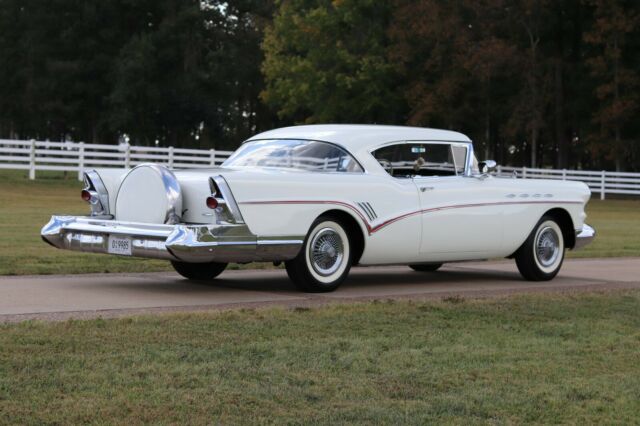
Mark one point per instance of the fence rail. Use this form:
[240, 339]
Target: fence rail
[77, 157]
[601, 181]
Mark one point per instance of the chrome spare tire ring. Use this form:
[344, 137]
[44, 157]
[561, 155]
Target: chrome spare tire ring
[326, 252]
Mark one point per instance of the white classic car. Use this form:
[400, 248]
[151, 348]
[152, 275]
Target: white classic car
[322, 198]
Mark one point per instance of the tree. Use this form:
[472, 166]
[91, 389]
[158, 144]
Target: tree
[614, 63]
[325, 61]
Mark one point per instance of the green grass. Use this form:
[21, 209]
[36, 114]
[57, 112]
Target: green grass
[527, 359]
[617, 224]
[25, 206]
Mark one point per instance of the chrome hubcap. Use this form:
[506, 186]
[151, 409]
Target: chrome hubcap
[326, 251]
[547, 246]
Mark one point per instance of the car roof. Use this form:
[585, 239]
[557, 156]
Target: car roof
[356, 137]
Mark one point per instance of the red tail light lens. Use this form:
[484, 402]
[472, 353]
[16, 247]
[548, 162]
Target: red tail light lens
[85, 195]
[212, 203]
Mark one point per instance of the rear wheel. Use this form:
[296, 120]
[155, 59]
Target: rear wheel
[199, 271]
[426, 267]
[325, 259]
[542, 254]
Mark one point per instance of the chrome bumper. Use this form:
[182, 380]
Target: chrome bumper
[183, 242]
[584, 236]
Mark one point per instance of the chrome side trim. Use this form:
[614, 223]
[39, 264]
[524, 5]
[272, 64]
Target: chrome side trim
[368, 210]
[198, 243]
[584, 236]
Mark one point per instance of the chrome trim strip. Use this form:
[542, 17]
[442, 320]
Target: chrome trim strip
[584, 236]
[374, 215]
[197, 243]
[365, 210]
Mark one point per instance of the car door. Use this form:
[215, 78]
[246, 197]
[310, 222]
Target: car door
[461, 215]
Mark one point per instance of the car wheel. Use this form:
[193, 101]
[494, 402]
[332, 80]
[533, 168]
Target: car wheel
[199, 271]
[325, 258]
[427, 267]
[542, 254]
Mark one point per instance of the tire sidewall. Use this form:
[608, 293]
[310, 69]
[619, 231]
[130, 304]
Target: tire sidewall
[336, 277]
[552, 269]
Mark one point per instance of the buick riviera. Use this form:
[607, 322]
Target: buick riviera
[324, 198]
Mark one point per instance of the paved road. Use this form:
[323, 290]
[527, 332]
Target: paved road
[109, 295]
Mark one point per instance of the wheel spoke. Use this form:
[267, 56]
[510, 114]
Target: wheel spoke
[326, 251]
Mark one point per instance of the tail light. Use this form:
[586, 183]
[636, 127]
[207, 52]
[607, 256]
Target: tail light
[212, 203]
[85, 195]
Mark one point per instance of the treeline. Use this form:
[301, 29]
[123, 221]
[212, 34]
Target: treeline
[179, 72]
[533, 82]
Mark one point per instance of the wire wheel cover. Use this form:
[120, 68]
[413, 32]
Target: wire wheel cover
[547, 246]
[326, 251]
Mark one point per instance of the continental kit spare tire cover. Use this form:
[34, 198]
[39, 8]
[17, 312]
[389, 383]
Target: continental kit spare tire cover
[149, 193]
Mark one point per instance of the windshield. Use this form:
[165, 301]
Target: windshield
[294, 154]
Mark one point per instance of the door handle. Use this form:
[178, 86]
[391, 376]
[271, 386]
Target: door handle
[426, 188]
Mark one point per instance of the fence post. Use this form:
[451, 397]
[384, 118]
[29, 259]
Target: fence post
[212, 156]
[170, 157]
[524, 172]
[80, 160]
[32, 160]
[602, 181]
[564, 174]
[127, 157]
[499, 170]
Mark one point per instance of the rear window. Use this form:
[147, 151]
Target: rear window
[316, 156]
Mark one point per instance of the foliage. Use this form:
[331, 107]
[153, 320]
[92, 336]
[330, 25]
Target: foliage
[170, 71]
[326, 62]
[533, 82]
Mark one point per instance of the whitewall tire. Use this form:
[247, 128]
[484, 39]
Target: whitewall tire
[540, 257]
[325, 258]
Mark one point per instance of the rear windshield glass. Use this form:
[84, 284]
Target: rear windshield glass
[307, 155]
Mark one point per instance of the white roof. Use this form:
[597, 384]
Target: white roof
[356, 137]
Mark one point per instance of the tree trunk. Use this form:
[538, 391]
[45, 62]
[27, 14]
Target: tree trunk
[561, 140]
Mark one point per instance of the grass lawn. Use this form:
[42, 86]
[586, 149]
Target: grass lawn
[538, 358]
[25, 206]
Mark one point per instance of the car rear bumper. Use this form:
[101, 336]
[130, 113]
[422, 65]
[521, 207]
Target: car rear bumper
[584, 236]
[196, 243]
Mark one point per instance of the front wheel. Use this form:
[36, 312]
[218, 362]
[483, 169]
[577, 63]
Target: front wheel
[325, 258]
[199, 271]
[542, 254]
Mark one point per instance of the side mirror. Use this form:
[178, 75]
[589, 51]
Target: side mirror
[487, 166]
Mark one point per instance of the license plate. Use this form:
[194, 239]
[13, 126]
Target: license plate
[119, 245]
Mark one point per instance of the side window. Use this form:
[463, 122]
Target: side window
[422, 159]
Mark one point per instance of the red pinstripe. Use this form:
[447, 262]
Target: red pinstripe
[372, 229]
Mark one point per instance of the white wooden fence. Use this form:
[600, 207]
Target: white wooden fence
[602, 182]
[78, 157]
